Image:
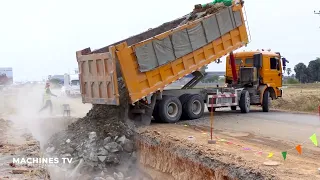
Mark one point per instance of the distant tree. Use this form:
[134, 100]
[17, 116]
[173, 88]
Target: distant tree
[314, 70]
[221, 80]
[213, 78]
[292, 81]
[289, 70]
[302, 72]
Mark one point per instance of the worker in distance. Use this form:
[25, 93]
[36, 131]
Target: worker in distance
[47, 98]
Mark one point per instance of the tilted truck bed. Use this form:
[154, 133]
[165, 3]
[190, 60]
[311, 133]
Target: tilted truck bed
[151, 65]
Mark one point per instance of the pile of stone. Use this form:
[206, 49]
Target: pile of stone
[113, 157]
[99, 143]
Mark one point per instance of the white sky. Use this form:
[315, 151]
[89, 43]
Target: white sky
[40, 37]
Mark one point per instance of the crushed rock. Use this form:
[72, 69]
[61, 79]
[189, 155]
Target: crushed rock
[102, 140]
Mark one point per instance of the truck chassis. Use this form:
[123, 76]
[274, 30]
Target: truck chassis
[170, 106]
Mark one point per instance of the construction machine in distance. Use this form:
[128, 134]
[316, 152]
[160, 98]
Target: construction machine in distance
[147, 63]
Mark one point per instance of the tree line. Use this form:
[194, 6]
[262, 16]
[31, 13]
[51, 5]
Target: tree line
[308, 74]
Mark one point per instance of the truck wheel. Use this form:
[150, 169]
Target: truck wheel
[169, 109]
[233, 108]
[193, 108]
[266, 101]
[244, 101]
[211, 109]
[183, 98]
[155, 113]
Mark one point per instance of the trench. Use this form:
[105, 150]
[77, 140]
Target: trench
[164, 159]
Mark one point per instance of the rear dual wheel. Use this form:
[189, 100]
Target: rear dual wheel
[192, 106]
[168, 110]
[171, 109]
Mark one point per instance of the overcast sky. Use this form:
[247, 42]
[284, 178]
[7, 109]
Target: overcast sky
[40, 37]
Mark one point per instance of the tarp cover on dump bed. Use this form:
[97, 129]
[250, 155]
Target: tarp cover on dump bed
[209, 9]
[162, 51]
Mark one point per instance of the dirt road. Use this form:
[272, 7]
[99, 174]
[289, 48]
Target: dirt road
[289, 127]
[244, 140]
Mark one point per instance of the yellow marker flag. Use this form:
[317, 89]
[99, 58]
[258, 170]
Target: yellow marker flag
[313, 138]
[270, 155]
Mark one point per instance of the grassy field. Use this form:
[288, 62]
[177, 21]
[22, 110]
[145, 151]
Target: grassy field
[299, 97]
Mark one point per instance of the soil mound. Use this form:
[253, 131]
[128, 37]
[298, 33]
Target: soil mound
[99, 143]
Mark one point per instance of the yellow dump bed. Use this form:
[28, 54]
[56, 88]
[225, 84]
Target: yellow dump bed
[151, 65]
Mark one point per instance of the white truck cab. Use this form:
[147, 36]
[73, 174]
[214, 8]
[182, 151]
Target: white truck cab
[71, 85]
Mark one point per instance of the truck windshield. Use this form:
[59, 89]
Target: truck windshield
[75, 83]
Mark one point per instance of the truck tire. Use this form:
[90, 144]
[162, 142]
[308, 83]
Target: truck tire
[155, 113]
[183, 98]
[244, 101]
[211, 109]
[193, 108]
[233, 108]
[169, 109]
[266, 101]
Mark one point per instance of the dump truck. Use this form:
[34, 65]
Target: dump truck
[255, 78]
[147, 63]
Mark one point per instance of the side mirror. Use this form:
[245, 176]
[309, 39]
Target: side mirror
[284, 62]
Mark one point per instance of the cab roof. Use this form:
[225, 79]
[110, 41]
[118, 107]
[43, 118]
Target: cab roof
[251, 53]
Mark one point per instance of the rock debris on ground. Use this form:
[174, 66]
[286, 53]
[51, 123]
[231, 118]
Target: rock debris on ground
[100, 142]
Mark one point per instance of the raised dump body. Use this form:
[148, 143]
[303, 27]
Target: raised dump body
[152, 64]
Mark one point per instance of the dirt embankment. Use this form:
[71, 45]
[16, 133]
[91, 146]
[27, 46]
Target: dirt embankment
[16, 143]
[300, 98]
[172, 159]
[179, 152]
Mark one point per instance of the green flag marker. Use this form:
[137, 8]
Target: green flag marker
[284, 154]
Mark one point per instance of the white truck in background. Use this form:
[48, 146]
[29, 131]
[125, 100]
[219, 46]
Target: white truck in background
[71, 85]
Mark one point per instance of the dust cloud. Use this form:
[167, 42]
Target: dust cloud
[25, 104]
